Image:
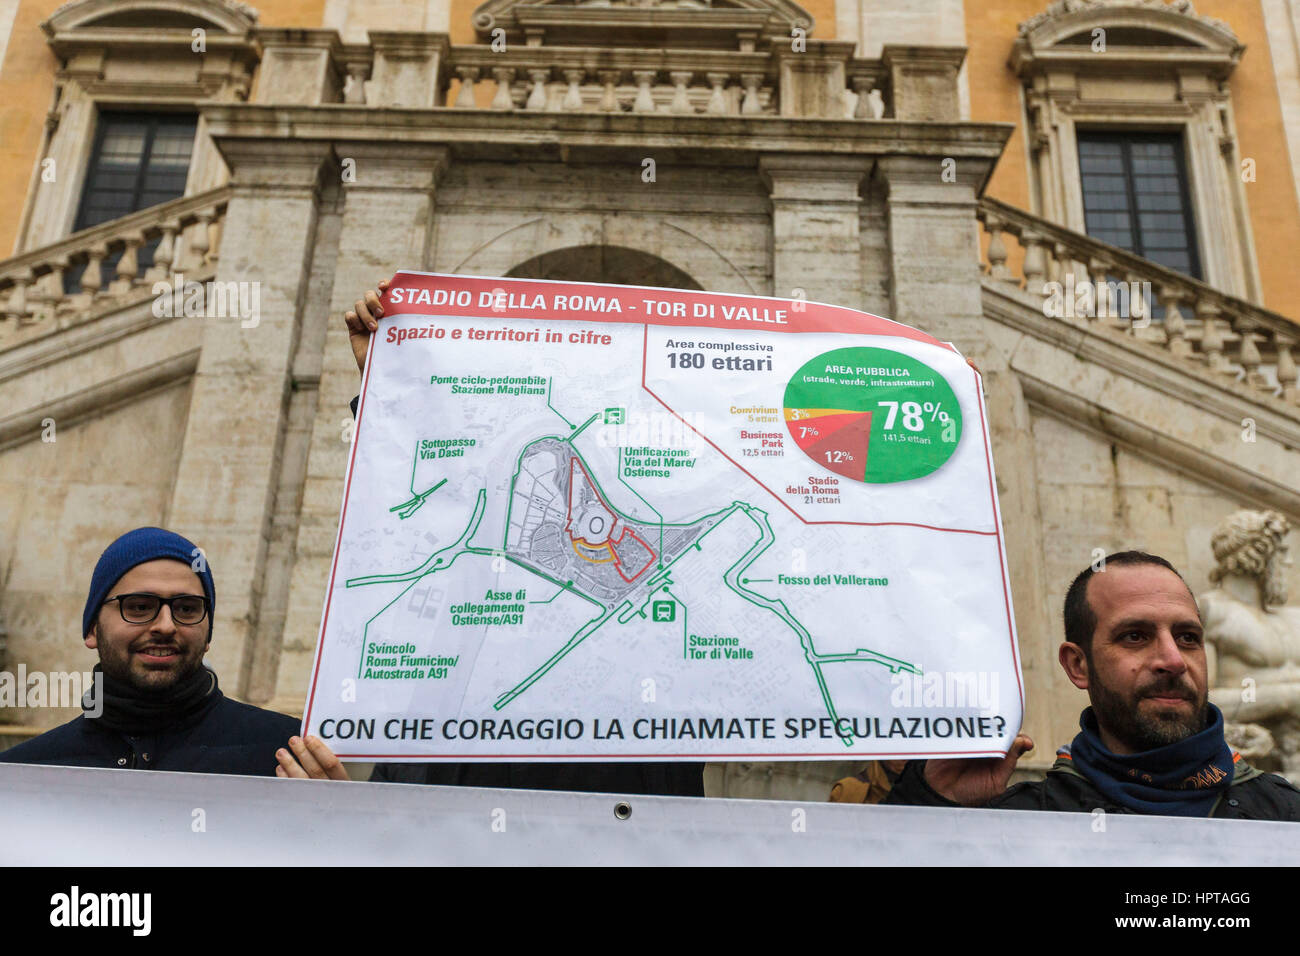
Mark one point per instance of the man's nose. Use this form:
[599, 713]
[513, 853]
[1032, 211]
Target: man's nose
[163, 623]
[1169, 656]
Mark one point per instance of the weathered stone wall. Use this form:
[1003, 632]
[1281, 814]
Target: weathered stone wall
[713, 224]
[62, 502]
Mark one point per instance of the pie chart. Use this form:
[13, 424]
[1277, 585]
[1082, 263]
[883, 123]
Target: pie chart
[872, 415]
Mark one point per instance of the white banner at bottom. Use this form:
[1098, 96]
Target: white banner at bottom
[63, 816]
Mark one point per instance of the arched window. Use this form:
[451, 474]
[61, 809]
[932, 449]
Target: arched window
[127, 132]
[1132, 137]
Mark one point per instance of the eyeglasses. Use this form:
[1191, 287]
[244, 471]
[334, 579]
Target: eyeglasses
[143, 608]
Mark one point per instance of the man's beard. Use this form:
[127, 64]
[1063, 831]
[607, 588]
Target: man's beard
[1139, 731]
[153, 681]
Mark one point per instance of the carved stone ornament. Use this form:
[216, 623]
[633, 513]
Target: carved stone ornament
[561, 18]
[1253, 637]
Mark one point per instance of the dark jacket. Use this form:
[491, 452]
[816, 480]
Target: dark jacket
[656, 779]
[1252, 795]
[225, 736]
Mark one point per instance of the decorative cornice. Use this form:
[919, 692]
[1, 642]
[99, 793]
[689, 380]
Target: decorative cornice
[742, 17]
[1133, 362]
[544, 134]
[1074, 11]
[100, 397]
[228, 15]
[1156, 446]
[1202, 44]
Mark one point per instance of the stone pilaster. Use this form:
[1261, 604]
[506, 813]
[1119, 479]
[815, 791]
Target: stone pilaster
[934, 250]
[387, 220]
[813, 80]
[230, 463]
[54, 208]
[816, 211]
[936, 286]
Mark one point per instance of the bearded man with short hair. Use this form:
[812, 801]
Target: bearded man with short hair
[1151, 742]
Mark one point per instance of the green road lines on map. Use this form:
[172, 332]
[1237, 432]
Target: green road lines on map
[412, 505]
[650, 600]
[444, 558]
[778, 607]
[435, 561]
[563, 585]
[519, 464]
[552, 407]
[558, 591]
[582, 428]
[438, 561]
[582, 634]
[685, 616]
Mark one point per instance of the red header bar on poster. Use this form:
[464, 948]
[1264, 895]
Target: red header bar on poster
[424, 293]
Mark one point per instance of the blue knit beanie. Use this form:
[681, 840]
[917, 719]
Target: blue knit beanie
[137, 547]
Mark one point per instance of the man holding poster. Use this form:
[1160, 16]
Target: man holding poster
[662, 526]
[1151, 742]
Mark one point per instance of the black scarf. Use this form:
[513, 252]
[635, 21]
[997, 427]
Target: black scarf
[137, 713]
[1182, 780]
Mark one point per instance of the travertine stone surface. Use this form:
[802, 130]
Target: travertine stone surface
[815, 225]
[384, 225]
[63, 502]
[712, 224]
[923, 81]
[928, 206]
[294, 71]
[231, 457]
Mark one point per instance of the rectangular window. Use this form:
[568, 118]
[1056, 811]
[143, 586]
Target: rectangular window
[139, 160]
[1135, 196]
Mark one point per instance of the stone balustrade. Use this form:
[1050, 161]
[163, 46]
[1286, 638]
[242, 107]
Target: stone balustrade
[699, 82]
[423, 70]
[1225, 335]
[637, 81]
[38, 288]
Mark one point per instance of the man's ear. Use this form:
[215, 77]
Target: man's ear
[92, 636]
[1075, 664]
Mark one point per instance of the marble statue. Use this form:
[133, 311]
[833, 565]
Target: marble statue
[1253, 639]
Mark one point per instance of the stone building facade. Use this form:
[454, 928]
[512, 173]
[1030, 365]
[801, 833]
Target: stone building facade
[919, 161]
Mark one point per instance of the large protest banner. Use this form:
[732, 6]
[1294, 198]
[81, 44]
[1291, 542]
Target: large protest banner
[616, 522]
[58, 817]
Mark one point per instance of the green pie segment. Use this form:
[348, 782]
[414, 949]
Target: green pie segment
[873, 415]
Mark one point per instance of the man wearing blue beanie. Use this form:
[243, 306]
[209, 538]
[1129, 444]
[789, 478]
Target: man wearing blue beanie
[154, 705]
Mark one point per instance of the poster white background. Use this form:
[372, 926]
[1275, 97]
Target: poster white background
[743, 602]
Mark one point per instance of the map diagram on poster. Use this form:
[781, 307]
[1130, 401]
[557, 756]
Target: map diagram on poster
[613, 522]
